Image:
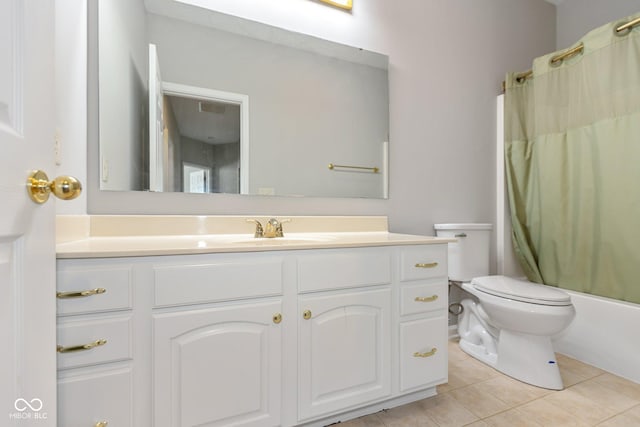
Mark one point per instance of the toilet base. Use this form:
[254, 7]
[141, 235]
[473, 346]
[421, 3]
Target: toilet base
[527, 358]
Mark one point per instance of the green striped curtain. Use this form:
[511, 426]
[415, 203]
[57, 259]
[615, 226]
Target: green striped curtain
[572, 153]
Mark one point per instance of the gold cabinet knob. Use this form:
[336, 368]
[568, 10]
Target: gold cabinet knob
[306, 315]
[63, 187]
[277, 318]
[101, 424]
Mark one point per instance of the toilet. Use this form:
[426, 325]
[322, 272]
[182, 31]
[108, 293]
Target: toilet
[507, 323]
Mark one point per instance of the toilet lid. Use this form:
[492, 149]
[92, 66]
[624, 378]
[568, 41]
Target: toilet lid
[520, 290]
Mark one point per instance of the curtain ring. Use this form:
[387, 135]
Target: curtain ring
[625, 31]
[622, 29]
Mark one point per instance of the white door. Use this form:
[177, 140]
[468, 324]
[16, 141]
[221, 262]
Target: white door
[27, 251]
[156, 123]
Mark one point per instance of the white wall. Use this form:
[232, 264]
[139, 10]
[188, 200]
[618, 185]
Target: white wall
[71, 98]
[577, 17]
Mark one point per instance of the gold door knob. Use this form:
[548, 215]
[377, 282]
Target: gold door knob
[277, 318]
[63, 187]
[306, 315]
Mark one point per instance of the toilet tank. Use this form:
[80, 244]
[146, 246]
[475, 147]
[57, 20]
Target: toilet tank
[469, 256]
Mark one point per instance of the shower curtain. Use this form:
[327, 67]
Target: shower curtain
[572, 153]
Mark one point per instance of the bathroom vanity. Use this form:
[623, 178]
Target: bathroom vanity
[226, 329]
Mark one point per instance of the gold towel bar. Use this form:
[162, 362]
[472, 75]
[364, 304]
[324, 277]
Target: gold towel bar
[372, 169]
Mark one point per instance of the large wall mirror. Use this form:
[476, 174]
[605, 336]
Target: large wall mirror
[191, 100]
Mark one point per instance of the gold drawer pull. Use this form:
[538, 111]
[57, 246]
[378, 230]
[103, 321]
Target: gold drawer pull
[426, 264]
[427, 354]
[96, 343]
[79, 294]
[101, 424]
[427, 299]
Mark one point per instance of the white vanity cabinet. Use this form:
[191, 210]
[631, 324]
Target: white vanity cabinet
[423, 325]
[268, 338]
[95, 349]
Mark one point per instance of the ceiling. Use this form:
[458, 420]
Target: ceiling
[207, 121]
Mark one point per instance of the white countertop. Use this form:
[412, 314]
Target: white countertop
[100, 242]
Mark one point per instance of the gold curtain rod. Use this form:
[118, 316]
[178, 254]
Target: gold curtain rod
[556, 60]
[372, 169]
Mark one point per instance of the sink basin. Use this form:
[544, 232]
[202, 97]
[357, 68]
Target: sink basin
[276, 241]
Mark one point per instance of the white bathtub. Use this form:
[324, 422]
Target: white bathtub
[604, 334]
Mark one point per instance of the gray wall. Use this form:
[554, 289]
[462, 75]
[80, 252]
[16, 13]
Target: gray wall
[577, 17]
[447, 61]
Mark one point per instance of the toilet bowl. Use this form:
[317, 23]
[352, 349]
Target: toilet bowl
[506, 323]
[509, 325]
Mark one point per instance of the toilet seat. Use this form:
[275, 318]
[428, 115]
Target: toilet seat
[520, 290]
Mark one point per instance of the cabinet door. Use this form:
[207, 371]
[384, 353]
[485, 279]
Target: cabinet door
[344, 351]
[218, 367]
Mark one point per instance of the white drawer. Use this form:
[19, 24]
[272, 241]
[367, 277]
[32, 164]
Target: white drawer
[423, 297]
[423, 353]
[338, 269]
[217, 281]
[84, 290]
[89, 398]
[76, 332]
[423, 262]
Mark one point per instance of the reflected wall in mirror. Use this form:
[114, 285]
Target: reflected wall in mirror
[297, 104]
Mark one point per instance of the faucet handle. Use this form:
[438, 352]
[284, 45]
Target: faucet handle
[259, 230]
[279, 231]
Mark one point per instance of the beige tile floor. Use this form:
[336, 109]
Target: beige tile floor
[479, 396]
